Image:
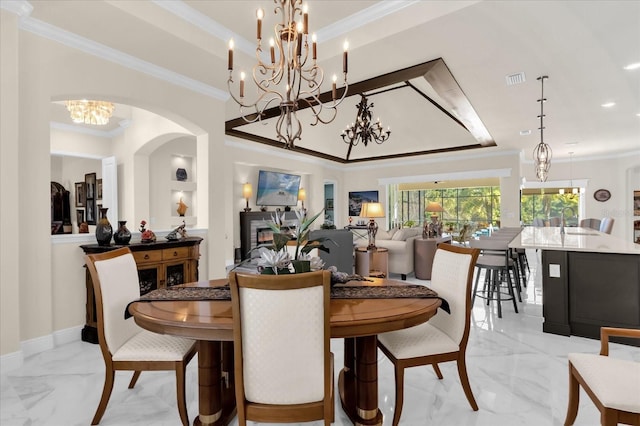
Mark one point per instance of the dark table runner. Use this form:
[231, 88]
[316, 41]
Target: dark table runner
[409, 291]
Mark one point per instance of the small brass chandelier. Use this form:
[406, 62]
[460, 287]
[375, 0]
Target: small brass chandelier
[542, 152]
[90, 112]
[363, 130]
[293, 79]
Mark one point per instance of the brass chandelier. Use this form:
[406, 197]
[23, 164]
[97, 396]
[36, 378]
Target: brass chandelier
[542, 152]
[363, 130]
[292, 80]
[90, 112]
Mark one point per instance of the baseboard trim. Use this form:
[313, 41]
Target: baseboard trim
[14, 360]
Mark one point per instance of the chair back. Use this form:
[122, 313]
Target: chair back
[451, 278]
[555, 221]
[115, 284]
[606, 225]
[538, 222]
[590, 223]
[281, 337]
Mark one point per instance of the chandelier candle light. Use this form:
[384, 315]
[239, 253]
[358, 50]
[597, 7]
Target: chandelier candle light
[363, 130]
[542, 152]
[90, 112]
[293, 79]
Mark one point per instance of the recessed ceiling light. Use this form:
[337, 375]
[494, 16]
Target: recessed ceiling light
[608, 104]
[525, 132]
[634, 66]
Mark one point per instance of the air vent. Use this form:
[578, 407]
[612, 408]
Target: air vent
[515, 79]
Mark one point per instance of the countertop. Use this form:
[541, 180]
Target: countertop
[574, 239]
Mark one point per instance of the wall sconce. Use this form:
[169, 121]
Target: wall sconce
[372, 210]
[302, 195]
[247, 192]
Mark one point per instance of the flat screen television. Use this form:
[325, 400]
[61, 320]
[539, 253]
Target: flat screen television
[277, 189]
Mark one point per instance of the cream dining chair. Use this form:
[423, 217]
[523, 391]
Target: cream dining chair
[444, 337]
[281, 335]
[612, 384]
[125, 345]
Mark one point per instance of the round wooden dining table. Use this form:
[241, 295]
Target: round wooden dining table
[358, 321]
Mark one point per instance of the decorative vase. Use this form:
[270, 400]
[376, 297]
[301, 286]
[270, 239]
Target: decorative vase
[301, 266]
[181, 175]
[122, 235]
[104, 231]
[268, 270]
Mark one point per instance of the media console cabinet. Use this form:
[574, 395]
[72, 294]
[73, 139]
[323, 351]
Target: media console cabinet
[161, 264]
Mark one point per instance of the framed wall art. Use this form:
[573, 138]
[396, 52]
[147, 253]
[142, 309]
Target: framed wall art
[99, 189]
[356, 198]
[80, 194]
[636, 203]
[90, 183]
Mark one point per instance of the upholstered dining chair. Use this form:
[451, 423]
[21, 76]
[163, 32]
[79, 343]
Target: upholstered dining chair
[612, 384]
[125, 345]
[281, 335]
[538, 222]
[606, 225]
[444, 337]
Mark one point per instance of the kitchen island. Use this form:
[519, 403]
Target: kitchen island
[590, 279]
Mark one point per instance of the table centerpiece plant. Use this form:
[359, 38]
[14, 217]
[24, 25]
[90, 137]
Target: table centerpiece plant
[274, 256]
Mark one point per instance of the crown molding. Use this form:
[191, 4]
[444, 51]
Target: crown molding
[206, 24]
[122, 125]
[102, 51]
[19, 7]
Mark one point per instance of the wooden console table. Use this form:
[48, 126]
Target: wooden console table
[160, 264]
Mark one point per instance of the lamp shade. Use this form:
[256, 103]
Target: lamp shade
[432, 206]
[247, 190]
[302, 194]
[372, 210]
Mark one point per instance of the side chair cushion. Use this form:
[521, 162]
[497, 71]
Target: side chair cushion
[421, 340]
[119, 285]
[615, 382]
[149, 346]
[296, 317]
[449, 278]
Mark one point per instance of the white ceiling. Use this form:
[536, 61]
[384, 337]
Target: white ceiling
[583, 46]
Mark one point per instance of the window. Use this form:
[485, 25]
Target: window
[547, 203]
[479, 206]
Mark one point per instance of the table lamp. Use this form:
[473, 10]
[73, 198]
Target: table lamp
[433, 228]
[372, 210]
[302, 195]
[247, 191]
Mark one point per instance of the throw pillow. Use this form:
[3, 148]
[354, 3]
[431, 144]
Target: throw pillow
[403, 234]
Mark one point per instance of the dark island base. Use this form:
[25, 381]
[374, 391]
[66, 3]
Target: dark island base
[592, 290]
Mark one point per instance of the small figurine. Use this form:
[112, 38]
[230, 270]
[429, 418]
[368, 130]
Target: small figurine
[180, 230]
[182, 207]
[146, 235]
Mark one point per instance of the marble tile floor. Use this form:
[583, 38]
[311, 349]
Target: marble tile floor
[518, 375]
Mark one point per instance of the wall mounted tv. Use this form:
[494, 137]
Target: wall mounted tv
[277, 189]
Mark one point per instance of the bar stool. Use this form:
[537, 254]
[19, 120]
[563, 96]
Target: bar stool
[496, 261]
[516, 264]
